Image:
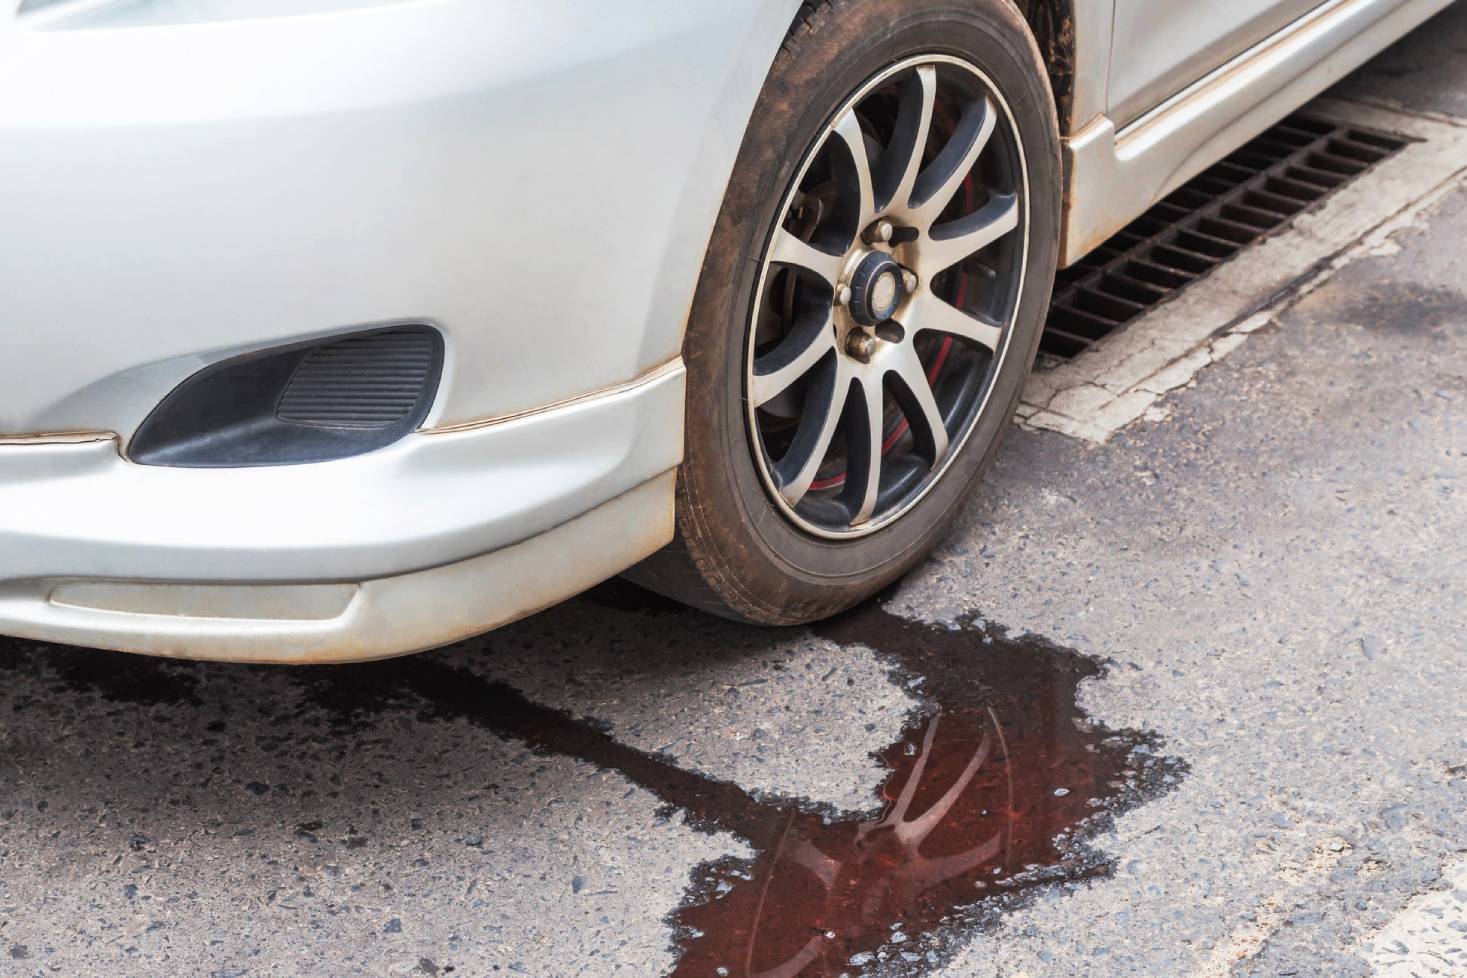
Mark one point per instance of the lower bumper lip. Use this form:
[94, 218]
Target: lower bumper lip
[345, 622]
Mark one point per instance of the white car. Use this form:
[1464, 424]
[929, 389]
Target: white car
[335, 329]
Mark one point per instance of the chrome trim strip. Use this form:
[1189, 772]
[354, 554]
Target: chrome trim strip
[668, 368]
[57, 438]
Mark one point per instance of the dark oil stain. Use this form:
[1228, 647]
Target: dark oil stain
[123, 679]
[1405, 308]
[992, 791]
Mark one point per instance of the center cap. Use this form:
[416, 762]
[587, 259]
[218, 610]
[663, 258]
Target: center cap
[876, 289]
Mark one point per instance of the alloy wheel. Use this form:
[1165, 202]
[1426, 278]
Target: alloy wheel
[885, 297]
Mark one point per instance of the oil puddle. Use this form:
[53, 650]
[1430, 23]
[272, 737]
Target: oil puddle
[993, 791]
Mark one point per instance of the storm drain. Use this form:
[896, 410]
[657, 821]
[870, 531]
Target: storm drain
[1256, 190]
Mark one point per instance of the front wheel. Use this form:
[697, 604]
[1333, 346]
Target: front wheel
[869, 306]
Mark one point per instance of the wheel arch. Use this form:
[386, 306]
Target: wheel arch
[1052, 22]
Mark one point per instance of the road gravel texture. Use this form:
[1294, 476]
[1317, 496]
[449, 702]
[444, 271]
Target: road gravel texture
[1227, 646]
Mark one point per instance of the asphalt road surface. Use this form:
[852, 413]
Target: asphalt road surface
[1190, 703]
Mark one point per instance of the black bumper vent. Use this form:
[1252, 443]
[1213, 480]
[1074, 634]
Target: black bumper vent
[371, 381]
[1256, 190]
[301, 403]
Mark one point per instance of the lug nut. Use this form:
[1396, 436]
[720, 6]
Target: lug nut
[843, 295]
[880, 231]
[861, 345]
[909, 280]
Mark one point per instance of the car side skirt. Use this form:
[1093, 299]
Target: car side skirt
[1114, 175]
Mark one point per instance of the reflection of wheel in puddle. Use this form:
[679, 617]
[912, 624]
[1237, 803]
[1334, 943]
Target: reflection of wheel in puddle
[996, 792]
[833, 895]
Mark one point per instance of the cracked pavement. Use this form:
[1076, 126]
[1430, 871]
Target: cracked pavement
[1271, 569]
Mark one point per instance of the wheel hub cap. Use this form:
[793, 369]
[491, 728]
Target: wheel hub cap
[876, 289]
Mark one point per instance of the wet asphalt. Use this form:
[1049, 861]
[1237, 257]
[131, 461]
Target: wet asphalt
[1196, 696]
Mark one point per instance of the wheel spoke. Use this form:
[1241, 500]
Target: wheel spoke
[819, 419]
[787, 249]
[927, 311]
[896, 174]
[947, 244]
[803, 347]
[849, 130]
[919, 405]
[863, 453]
[937, 184]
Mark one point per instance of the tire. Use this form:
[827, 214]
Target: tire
[742, 549]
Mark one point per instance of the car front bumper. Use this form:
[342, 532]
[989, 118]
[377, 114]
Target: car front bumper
[438, 537]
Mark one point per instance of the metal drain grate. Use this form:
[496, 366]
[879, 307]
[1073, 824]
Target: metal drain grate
[1256, 190]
